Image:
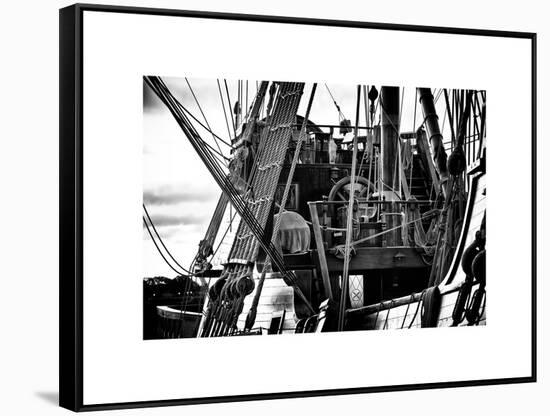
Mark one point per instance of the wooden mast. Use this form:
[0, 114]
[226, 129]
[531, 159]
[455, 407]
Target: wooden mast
[389, 142]
[434, 134]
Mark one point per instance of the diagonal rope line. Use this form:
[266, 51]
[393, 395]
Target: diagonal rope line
[230, 108]
[340, 113]
[223, 107]
[203, 115]
[159, 250]
[161, 241]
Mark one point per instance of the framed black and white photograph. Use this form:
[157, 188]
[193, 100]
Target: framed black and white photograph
[258, 207]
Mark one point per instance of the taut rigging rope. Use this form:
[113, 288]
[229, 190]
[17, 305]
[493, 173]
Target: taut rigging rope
[230, 107]
[162, 242]
[202, 113]
[223, 106]
[159, 250]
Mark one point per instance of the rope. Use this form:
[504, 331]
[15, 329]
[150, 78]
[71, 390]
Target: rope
[340, 113]
[162, 242]
[225, 158]
[388, 314]
[349, 225]
[223, 106]
[203, 115]
[230, 107]
[368, 153]
[159, 250]
[417, 308]
[407, 311]
[207, 128]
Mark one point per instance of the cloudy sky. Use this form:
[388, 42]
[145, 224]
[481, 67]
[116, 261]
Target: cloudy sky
[178, 190]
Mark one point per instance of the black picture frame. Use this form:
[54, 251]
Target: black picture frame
[71, 205]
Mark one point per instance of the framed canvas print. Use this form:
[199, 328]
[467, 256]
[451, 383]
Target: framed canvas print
[278, 217]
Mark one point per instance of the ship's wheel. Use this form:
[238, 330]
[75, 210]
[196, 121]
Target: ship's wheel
[363, 189]
[340, 191]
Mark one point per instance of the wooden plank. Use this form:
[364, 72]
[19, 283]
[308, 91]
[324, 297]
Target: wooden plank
[377, 258]
[298, 261]
[321, 251]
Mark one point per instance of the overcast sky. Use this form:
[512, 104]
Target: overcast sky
[178, 190]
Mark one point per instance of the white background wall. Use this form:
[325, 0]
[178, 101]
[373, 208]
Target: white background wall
[28, 206]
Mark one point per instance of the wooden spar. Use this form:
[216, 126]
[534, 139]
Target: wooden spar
[349, 224]
[389, 304]
[403, 182]
[254, 113]
[320, 249]
[389, 141]
[434, 133]
[424, 152]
